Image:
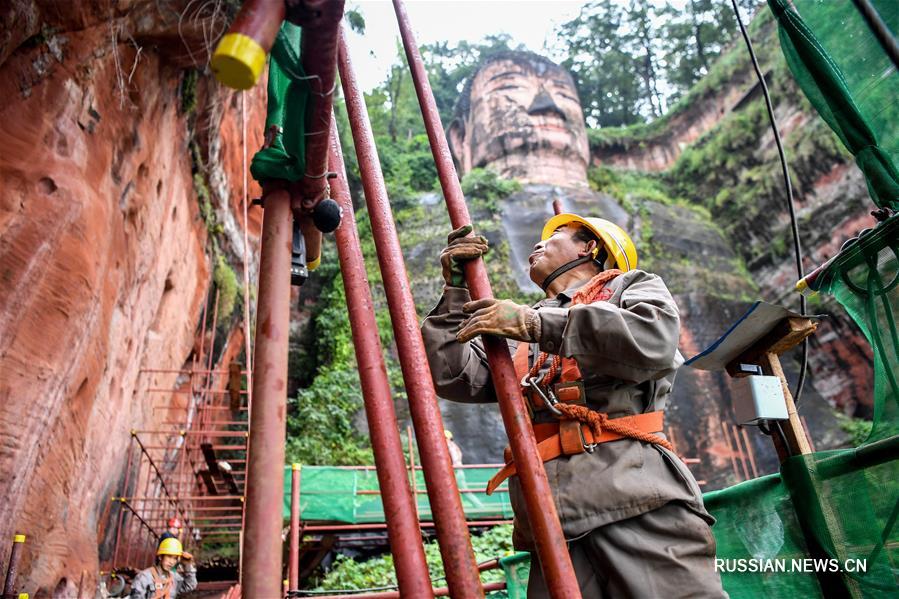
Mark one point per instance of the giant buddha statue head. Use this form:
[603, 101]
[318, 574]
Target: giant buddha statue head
[520, 116]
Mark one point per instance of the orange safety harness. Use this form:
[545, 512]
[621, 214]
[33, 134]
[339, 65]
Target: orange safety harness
[162, 586]
[579, 428]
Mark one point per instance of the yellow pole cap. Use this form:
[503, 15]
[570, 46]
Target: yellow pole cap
[295, 467]
[238, 61]
[18, 539]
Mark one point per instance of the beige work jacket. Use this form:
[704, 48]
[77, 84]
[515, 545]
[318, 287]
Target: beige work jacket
[626, 349]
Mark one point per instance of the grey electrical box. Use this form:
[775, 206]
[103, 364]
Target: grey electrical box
[758, 397]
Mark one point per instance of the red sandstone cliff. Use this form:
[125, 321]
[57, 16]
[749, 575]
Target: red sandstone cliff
[104, 252]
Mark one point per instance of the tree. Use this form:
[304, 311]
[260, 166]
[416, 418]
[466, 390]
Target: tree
[602, 65]
[632, 58]
[640, 37]
[694, 37]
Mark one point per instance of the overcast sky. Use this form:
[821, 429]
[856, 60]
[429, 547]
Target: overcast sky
[530, 22]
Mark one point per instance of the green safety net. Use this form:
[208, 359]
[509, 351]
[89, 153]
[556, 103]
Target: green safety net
[851, 82]
[350, 495]
[283, 156]
[831, 505]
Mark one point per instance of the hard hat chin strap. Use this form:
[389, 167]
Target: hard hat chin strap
[563, 269]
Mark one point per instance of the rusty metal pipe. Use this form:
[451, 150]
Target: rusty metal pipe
[557, 206]
[239, 57]
[293, 565]
[265, 467]
[399, 507]
[318, 52]
[548, 537]
[443, 493]
[12, 570]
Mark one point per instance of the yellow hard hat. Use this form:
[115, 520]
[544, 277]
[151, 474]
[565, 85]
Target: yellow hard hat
[618, 244]
[170, 546]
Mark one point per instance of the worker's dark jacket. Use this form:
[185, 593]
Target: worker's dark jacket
[626, 349]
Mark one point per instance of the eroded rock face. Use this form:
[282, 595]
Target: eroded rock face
[103, 260]
[520, 116]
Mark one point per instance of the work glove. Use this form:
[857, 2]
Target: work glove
[460, 249]
[186, 557]
[504, 318]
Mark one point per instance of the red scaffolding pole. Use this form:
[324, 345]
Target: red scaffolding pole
[261, 567]
[550, 542]
[452, 534]
[399, 508]
[293, 564]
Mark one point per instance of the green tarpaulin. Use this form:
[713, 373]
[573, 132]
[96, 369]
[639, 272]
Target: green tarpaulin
[285, 123]
[350, 495]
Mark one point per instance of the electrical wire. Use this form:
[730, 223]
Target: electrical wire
[797, 250]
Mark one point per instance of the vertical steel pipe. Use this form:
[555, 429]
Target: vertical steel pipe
[318, 52]
[265, 466]
[446, 505]
[557, 206]
[399, 507]
[551, 547]
[9, 587]
[293, 566]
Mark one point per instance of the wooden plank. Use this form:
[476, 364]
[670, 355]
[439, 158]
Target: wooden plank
[209, 455]
[229, 481]
[785, 336]
[206, 475]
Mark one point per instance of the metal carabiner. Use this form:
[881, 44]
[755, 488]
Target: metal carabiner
[550, 400]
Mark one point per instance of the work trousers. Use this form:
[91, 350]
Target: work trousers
[666, 553]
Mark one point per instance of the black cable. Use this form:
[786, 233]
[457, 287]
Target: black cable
[786, 175]
[879, 29]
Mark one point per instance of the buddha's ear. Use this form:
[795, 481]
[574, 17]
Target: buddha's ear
[455, 135]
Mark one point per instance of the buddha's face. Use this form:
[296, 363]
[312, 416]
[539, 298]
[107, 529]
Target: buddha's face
[525, 122]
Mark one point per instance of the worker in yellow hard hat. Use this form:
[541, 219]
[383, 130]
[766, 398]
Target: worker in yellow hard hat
[596, 359]
[163, 580]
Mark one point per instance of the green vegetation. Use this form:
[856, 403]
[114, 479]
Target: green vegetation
[858, 429]
[226, 284]
[632, 61]
[320, 421]
[732, 64]
[188, 91]
[484, 189]
[349, 574]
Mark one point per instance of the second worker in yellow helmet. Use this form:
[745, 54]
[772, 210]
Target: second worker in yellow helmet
[596, 358]
[162, 580]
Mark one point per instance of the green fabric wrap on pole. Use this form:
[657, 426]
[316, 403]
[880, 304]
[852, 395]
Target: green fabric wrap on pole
[285, 123]
[849, 80]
